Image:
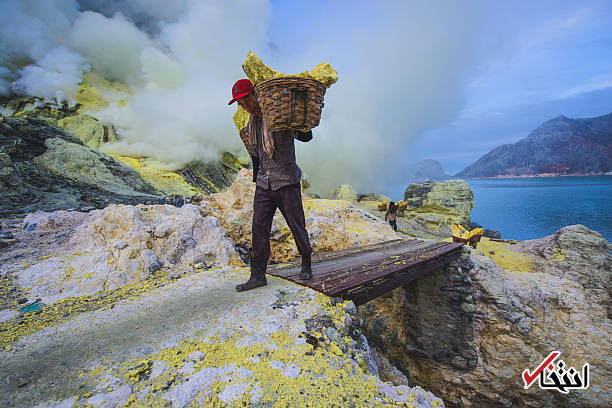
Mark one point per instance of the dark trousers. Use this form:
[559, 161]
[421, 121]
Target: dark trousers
[394, 225]
[288, 200]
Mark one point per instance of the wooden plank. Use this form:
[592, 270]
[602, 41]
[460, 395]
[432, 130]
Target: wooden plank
[348, 265]
[332, 263]
[342, 253]
[378, 288]
[377, 273]
[381, 260]
[366, 272]
[373, 270]
[387, 269]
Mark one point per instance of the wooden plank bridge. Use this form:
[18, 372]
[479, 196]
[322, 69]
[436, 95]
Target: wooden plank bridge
[363, 273]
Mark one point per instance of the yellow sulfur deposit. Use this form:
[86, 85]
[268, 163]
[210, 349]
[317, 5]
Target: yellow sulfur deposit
[241, 118]
[96, 92]
[257, 71]
[168, 182]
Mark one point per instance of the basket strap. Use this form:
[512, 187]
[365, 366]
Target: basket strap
[297, 93]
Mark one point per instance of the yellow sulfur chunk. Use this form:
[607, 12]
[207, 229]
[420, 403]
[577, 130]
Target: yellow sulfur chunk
[257, 71]
[325, 73]
[241, 118]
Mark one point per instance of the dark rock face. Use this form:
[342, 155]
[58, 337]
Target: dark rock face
[28, 185]
[212, 177]
[430, 319]
[560, 146]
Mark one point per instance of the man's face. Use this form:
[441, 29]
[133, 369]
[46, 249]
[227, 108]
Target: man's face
[249, 103]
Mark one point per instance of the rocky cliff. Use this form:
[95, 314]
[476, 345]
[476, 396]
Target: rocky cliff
[51, 159]
[561, 146]
[45, 168]
[468, 331]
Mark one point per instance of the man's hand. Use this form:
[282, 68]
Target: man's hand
[303, 136]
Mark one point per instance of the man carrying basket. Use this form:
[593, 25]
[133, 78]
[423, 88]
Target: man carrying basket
[277, 179]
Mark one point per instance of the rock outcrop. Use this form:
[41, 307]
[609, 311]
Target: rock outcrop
[107, 332]
[433, 207]
[45, 168]
[468, 331]
[122, 244]
[561, 146]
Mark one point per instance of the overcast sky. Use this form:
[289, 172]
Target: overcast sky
[528, 62]
[446, 80]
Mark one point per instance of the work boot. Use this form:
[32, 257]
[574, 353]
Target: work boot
[257, 279]
[306, 272]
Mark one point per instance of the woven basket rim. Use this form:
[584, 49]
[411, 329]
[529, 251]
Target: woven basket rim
[290, 79]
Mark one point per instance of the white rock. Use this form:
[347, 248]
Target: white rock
[187, 368]
[116, 246]
[67, 403]
[233, 391]
[183, 394]
[117, 398]
[292, 371]
[8, 314]
[158, 368]
[277, 365]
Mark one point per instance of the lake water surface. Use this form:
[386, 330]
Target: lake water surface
[527, 208]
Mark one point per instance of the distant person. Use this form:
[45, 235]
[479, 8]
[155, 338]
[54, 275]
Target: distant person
[277, 179]
[391, 215]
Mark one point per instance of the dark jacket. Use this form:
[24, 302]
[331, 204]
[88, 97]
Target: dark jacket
[280, 170]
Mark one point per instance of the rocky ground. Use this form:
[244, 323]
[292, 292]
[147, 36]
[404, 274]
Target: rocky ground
[135, 305]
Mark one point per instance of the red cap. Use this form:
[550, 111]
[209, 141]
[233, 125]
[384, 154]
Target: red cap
[241, 88]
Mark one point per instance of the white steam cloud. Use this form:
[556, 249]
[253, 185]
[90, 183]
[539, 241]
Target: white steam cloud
[400, 74]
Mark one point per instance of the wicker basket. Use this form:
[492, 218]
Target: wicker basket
[382, 207]
[291, 102]
[244, 135]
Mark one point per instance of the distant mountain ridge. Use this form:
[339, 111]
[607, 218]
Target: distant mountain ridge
[560, 146]
[426, 170]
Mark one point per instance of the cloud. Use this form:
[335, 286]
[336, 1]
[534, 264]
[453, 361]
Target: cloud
[557, 28]
[595, 84]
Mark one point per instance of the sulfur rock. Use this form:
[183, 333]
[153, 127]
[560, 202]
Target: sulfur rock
[257, 71]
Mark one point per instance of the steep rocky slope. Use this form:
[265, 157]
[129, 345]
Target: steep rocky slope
[561, 146]
[45, 168]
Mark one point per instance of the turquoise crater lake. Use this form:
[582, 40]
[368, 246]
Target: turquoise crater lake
[528, 208]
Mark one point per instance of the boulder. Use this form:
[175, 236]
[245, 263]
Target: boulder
[467, 332]
[372, 197]
[88, 129]
[453, 199]
[123, 244]
[79, 163]
[343, 192]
